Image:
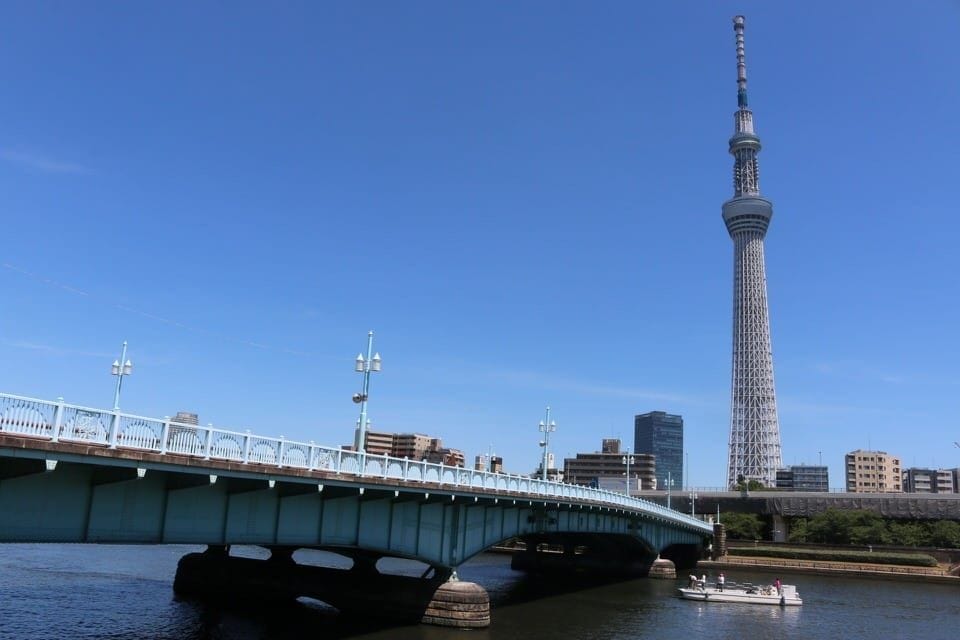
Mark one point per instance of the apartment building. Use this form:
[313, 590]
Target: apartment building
[873, 472]
[917, 480]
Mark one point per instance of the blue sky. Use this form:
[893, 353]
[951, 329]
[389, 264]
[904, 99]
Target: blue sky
[522, 200]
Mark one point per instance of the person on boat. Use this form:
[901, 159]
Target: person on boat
[720, 581]
[703, 582]
[776, 583]
[693, 582]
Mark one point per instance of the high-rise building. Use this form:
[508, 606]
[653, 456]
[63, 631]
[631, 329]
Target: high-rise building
[661, 434]
[873, 472]
[754, 449]
[802, 477]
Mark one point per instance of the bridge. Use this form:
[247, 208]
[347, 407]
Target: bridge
[70, 473]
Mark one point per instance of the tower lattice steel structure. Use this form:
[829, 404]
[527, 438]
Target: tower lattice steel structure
[754, 428]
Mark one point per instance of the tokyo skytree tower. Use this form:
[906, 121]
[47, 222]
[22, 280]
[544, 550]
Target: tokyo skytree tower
[754, 428]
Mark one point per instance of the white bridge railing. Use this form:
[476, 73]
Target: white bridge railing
[59, 421]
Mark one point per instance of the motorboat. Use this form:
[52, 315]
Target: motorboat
[746, 593]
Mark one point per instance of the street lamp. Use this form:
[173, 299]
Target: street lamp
[364, 366]
[547, 427]
[669, 484]
[693, 504]
[120, 368]
[628, 460]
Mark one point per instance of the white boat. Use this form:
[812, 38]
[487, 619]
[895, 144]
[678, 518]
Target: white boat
[750, 594]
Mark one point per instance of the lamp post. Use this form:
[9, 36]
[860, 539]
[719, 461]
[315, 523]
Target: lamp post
[693, 504]
[669, 484]
[627, 460]
[365, 366]
[547, 426]
[120, 368]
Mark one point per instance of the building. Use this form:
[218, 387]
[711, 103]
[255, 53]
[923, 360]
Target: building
[378, 443]
[661, 434]
[553, 473]
[610, 445]
[414, 446]
[873, 472]
[917, 480]
[601, 468]
[802, 477]
[754, 450]
[185, 417]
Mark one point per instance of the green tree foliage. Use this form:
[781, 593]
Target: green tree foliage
[867, 527]
[908, 534]
[830, 527]
[836, 526]
[743, 526]
[750, 485]
[944, 533]
[798, 531]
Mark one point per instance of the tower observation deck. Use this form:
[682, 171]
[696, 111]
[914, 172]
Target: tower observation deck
[754, 447]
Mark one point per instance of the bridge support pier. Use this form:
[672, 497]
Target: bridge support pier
[663, 568]
[601, 556]
[361, 590]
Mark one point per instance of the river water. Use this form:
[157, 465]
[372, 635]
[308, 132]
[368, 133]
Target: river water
[125, 592]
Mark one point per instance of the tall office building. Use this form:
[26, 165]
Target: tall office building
[661, 434]
[754, 451]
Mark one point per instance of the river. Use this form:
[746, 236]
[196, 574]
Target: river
[125, 592]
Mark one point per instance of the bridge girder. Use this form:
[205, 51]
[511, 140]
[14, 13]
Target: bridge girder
[107, 501]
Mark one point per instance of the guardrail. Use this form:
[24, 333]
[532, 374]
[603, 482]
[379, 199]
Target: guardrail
[60, 421]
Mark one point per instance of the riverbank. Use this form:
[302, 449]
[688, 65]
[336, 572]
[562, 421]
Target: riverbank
[937, 575]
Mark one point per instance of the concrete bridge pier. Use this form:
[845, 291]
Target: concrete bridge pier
[362, 590]
[602, 556]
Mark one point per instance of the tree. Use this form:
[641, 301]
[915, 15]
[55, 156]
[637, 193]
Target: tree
[908, 534]
[830, 527]
[743, 526]
[945, 534]
[868, 527]
[798, 531]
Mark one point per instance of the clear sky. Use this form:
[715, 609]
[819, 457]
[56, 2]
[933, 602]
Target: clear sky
[522, 200]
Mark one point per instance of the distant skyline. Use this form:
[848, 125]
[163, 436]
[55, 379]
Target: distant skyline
[522, 201]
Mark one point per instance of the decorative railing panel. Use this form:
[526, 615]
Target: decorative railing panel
[29, 417]
[88, 425]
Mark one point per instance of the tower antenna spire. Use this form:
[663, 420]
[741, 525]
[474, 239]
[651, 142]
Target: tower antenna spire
[741, 64]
